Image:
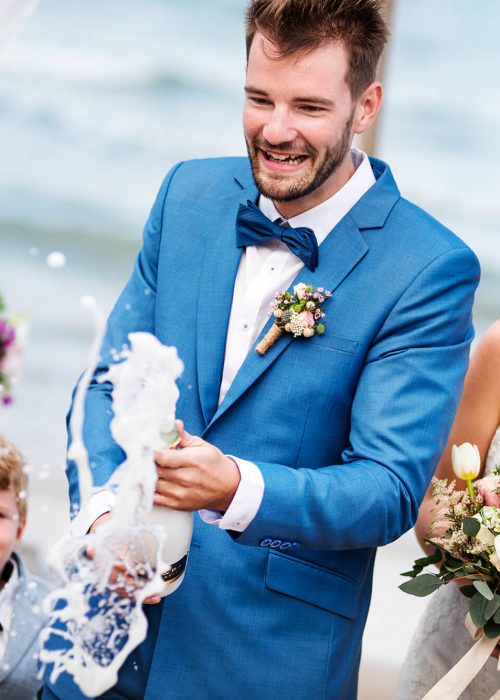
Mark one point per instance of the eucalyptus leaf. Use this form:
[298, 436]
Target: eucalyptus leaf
[477, 609]
[432, 559]
[496, 617]
[468, 591]
[414, 572]
[492, 607]
[483, 588]
[471, 526]
[492, 629]
[422, 585]
[453, 563]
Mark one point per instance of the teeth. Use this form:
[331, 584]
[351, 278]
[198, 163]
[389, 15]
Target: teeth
[285, 159]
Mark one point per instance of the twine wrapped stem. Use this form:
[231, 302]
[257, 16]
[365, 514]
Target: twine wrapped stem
[269, 339]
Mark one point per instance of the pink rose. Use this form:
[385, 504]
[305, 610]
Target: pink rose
[307, 319]
[486, 488]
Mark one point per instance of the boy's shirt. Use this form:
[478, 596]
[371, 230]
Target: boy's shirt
[7, 596]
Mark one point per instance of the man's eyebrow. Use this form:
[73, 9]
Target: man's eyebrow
[256, 91]
[308, 99]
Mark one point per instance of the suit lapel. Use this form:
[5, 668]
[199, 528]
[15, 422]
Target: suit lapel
[218, 275]
[339, 253]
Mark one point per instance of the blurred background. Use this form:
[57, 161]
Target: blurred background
[99, 99]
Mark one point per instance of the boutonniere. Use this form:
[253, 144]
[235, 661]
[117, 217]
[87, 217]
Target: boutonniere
[300, 313]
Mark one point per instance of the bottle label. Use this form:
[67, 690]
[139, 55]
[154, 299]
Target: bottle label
[175, 571]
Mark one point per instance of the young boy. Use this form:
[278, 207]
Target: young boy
[21, 594]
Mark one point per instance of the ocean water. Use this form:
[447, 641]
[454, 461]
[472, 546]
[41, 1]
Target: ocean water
[98, 99]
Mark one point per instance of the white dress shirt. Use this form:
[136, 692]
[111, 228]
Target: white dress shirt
[7, 595]
[263, 271]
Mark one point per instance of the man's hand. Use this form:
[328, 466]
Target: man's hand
[197, 475]
[120, 578]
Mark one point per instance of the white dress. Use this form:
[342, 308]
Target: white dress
[441, 638]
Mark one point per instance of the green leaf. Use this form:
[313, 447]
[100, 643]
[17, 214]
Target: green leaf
[468, 591]
[414, 572]
[477, 609]
[492, 607]
[496, 617]
[484, 589]
[422, 585]
[453, 564]
[471, 526]
[492, 629]
[432, 559]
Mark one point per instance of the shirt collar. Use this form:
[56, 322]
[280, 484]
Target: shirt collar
[323, 217]
[7, 595]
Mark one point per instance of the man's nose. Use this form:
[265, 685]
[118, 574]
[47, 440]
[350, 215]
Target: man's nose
[279, 127]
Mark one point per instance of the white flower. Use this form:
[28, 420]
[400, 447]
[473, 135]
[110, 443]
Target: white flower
[466, 461]
[308, 332]
[299, 290]
[278, 313]
[485, 536]
[495, 558]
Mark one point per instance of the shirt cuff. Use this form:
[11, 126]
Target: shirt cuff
[98, 504]
[246, 501]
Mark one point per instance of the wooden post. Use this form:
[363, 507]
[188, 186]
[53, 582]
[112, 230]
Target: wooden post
[368, 141]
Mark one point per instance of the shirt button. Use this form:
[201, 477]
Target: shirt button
[272, 269]
[245, 326]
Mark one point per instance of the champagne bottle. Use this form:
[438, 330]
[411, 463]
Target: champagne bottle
[178, 527]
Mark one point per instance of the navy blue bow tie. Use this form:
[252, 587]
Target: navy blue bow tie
[253, 228]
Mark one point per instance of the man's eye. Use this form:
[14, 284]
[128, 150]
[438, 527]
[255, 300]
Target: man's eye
[313, 109]
[259, 100]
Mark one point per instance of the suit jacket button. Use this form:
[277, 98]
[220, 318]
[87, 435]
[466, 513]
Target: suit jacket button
[295, 545]
[265, 542]
[285, 545]
[275, 544]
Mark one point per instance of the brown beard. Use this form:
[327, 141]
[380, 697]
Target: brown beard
[304, 186]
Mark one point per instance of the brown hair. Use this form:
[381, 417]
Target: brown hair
[12, 476]
[303, 25]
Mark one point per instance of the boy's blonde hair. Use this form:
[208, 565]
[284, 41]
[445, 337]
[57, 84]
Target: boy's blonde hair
[12, 475]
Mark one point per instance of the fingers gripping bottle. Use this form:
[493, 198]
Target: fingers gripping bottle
[178, 527]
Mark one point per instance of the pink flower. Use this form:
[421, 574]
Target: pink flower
[307, 319]
[486, 488]
[11, 364]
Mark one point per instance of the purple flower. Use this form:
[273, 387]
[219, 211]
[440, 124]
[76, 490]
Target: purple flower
[6, 400]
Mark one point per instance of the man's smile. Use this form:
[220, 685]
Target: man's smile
[282, 162]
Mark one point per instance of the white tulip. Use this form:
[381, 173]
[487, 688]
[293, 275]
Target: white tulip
[466, 461]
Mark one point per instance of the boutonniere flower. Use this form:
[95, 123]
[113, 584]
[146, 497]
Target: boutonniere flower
[300, 313]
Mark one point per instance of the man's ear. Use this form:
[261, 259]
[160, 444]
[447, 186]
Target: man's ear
[367, 108]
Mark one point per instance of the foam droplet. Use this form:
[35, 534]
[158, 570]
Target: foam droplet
[87, 301]
[56, 260]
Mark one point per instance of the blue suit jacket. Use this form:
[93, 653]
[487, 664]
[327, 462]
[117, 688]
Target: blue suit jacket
[346, 428]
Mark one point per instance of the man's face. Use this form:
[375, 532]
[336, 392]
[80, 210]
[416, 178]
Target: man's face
[298, 122]
[10, 527]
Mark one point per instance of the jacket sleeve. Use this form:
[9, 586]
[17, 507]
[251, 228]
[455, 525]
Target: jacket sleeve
[134, 311]
[402, 412]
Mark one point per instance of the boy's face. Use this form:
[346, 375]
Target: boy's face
[11, 529]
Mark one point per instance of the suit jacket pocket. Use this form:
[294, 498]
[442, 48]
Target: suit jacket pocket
[334, 342]
[321, 587]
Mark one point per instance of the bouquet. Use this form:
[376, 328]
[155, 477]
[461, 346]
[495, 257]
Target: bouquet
[465, 534]
[11, 334]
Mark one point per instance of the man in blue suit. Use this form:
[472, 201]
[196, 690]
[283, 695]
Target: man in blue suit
[333, 438]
